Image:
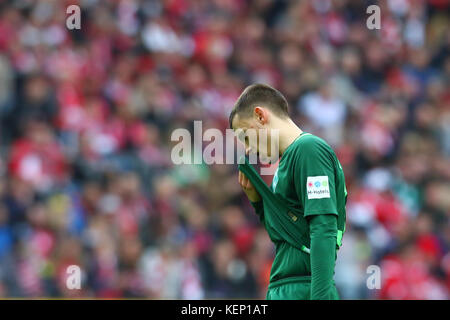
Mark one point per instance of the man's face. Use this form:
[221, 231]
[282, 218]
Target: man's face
[257, 135]
[246, 130]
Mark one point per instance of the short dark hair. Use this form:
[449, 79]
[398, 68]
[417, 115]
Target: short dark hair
[259, 94]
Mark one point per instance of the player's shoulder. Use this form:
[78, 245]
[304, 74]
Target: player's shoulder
[309, 146]
[309, 141]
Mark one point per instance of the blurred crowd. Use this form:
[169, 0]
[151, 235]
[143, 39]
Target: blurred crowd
[86, 117]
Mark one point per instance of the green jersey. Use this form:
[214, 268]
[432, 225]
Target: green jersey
[309, 181]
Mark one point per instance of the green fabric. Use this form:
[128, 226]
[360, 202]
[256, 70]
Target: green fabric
[287, 209]
[307, 157]
[320, 264]
[296, 279]
[340, 233]
[295, 290]
[281, 223]
[323, 230]
[259, 209]
[290, 291]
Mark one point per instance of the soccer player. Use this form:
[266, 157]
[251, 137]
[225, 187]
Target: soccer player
[309, 182]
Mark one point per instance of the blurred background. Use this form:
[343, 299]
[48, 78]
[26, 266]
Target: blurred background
[86, 117]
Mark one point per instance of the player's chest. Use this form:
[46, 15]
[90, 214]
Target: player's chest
[283, 185]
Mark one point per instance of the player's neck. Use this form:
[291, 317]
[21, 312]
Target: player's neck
[289, 132]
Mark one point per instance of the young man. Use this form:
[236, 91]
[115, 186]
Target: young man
[309, 182]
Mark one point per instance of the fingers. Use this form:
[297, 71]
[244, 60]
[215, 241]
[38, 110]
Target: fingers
[248, 184]
[241, 179]
[244, 181]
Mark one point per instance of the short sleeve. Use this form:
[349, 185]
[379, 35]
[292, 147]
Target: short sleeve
[315, 179]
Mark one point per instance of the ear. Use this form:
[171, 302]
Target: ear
[261, 114]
